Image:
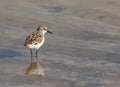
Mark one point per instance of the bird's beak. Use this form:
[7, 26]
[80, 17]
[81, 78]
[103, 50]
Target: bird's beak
[49, 32]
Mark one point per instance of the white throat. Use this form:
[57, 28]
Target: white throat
[44, 32]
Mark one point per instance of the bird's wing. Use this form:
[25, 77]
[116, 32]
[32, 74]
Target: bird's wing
[33, 38]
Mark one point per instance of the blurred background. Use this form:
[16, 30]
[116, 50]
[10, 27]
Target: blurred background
[84, 50]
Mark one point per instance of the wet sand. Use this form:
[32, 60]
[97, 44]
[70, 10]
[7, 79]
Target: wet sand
[84, 50]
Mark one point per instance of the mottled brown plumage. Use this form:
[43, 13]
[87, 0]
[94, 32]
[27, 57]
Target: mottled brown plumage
[36, 39]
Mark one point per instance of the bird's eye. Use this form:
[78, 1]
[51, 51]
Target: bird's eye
[45, 29]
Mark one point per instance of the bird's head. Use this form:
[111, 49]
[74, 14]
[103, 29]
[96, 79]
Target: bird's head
[43, 29]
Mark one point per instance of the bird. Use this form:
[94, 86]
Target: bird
[36, 39]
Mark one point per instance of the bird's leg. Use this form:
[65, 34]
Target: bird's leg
[36, 56]
[31, 55]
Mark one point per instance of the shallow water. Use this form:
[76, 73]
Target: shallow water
[82, 52]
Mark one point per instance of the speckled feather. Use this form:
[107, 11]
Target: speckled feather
[37, 38]
[34, 38]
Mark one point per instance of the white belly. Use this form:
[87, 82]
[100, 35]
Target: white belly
[36, 46]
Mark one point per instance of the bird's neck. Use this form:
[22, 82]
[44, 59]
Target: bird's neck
[42, 32]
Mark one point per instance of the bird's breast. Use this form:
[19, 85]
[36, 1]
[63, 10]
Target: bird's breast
[36, 45]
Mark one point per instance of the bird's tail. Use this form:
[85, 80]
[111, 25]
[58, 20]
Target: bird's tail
[24, 44]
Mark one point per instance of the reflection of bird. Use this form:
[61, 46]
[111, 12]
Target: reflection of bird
[36, 39]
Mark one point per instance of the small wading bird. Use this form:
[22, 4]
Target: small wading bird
[36, 40]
